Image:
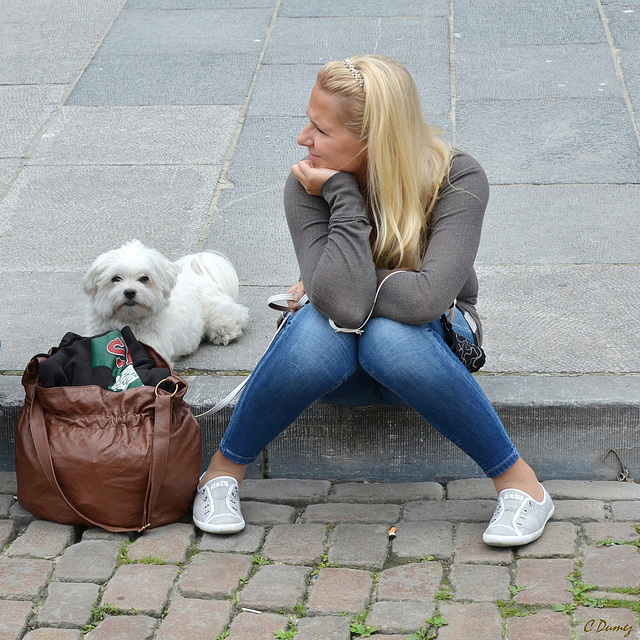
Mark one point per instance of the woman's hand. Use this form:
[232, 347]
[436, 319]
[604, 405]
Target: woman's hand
[298, 291]
[310, 177]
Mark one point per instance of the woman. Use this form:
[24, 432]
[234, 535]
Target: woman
[378, 194]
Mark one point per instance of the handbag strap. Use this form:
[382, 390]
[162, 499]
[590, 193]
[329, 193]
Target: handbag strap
[159, 456]
[360, 329]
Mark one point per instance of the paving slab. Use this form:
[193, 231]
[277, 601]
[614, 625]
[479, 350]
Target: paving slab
[626, 510]
[552, 141]
[362, 546]
[560, 540]
[553, 311]
[153, 32]
[138, 627]
[69, 604]
[544, 581]
[7, 531]
[138, 80]
[170, 543]
[5, 505]
[145, 135]
[399, 617]
[341, 512]
[504, 22]
[190, 618]
[88, 561]
[247, 541]
[415, 582]
[20, 126]
[479, 583]
[14, 617]
[564, 234]
[606, 491]
[175, 121]
[416, 540]
[329, 8]
[250, 626]
[144, 588]
[23, 579]
[296, 544]
[623, 25]
[263, 513]
[326, 627]
[308, 40]
[526, 73]
[275, 588]
[52, 52]
[598, 531]
[470, 549]
[612, 623]
[214, 575]
[450, 510]
[43, 539]
[336, 590]
[616, 566]
[376, 492]
[49, 633]
[284, 491]
[145, 200]
[630, 63]
[540, 626]
[579, 511]
[469, 620]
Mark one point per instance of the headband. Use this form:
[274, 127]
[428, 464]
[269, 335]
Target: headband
[356, 74]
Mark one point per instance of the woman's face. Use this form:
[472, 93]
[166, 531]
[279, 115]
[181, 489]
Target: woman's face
[329, 143]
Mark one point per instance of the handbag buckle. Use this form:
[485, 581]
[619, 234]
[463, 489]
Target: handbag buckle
[161, 381]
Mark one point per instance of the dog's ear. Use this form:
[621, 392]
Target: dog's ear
[165, 275]
[91, 278]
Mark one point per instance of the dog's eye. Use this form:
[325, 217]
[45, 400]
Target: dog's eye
[143, 279]
[116, 279]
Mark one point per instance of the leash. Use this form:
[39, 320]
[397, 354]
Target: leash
[279, 303]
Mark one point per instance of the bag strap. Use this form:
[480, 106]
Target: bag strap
[360, 329]
[159, 456]
[279, 301]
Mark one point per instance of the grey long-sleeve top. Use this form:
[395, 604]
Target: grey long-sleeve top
[331, 234]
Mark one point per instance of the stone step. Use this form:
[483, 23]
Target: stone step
[572, 427]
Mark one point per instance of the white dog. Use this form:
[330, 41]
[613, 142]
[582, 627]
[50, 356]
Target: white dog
[171, 306]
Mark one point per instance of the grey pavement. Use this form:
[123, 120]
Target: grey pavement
[174, 121]
[316, 561]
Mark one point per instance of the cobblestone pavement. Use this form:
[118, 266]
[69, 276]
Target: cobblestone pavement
[317, 558]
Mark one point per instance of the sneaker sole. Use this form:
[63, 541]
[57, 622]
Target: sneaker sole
[516, 541]
[219, 528]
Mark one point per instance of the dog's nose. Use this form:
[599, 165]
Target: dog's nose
[130, 294]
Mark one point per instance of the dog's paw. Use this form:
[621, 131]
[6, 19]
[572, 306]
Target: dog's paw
[223, 337]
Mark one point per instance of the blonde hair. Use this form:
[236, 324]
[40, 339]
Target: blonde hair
[407, 160]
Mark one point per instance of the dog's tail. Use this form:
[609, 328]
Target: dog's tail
[214, 266]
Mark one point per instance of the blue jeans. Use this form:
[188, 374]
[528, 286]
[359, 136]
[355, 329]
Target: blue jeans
[391, 363]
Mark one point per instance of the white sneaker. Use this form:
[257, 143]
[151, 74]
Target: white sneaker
[216, 508]
[518, 519]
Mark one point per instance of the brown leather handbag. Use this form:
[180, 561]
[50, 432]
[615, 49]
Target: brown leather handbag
[124, 461]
